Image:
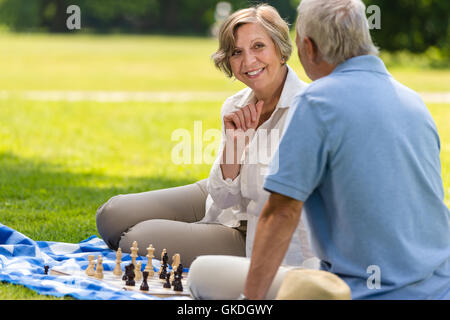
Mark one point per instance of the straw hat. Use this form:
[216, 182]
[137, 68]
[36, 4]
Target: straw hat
[307, 284]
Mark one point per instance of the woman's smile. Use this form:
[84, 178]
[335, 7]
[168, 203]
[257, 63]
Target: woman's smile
[255, 73]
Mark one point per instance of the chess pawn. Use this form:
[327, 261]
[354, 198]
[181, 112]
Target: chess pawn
[118, 270]
[144, 284]
[99, 270]
[137, 271]
[90, 271]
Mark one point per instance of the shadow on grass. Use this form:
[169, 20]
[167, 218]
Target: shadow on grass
[47, 202]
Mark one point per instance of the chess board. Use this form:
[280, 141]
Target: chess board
[155, 284]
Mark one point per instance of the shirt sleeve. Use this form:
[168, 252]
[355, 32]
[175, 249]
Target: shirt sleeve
[300, 162]
[225, 192]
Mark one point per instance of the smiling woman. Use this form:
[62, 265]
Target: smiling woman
[218, 215]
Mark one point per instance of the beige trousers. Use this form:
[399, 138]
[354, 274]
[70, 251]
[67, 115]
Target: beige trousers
[167, 218]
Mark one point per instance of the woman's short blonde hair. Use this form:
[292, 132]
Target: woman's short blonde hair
[268, 17]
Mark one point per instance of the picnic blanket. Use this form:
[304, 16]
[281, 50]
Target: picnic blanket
[22, 262]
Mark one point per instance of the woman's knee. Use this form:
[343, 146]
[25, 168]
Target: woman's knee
[108, 222]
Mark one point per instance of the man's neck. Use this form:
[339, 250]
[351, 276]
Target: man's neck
[323, 69]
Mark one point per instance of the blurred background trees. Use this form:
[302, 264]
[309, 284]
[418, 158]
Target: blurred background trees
[413, 25]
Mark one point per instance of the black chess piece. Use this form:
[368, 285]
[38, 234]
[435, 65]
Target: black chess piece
[179, 271]
[130, 276]
[125, 277]
[167, 283]
[177, 285]
[163, 273]
[144, 284]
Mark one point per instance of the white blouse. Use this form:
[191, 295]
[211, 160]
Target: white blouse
[243, 198]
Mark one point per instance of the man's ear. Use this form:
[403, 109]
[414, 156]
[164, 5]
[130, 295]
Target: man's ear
[311, 50]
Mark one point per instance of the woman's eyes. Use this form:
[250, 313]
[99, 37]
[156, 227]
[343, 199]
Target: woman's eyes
[256, 46]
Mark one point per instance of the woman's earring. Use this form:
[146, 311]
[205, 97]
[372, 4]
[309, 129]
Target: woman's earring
[283, 61]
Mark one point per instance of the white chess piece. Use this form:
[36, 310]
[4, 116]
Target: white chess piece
[134, 249]
[149, 266]
[118, 270]
[137, 271]
[90, 270]
[99, 270]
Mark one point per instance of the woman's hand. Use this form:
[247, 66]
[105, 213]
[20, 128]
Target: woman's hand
[244, 118]
[240, 126]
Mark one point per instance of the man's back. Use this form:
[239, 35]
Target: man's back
[368, 169]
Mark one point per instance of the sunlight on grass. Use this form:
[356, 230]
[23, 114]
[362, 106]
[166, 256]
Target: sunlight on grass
[139, 63]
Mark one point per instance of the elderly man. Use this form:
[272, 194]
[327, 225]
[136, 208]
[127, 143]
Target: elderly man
[361, 156]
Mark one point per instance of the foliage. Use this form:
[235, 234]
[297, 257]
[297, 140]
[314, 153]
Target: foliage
[413, 25]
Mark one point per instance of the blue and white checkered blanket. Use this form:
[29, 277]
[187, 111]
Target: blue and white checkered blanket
[22, 261]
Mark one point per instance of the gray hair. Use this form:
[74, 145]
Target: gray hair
[339, 28]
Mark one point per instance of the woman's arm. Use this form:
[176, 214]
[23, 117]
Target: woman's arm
[237, 129]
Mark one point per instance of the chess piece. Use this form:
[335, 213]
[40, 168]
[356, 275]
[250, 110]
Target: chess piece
[90, 270]
[179, 271]
[175, 261]
[125, 275]
[167, 283]
[163, 268]
[163, 271]
[99, 270]
[137, 271]
[164, 252]
[144, 284]
[118, 270]
[130, 276]
[134, 249]
[177, 285]
[149, 266]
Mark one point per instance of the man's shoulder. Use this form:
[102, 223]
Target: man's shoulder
[327, 84]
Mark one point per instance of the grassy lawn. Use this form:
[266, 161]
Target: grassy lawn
[59, 161]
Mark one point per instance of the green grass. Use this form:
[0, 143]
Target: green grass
[144, 63]
[59, 161]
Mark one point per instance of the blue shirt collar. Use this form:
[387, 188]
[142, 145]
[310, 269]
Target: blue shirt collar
[362, 63]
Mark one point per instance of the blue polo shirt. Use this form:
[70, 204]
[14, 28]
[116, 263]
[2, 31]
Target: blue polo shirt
[362, 151]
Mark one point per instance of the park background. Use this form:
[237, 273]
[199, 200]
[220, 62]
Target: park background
[88, 114]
